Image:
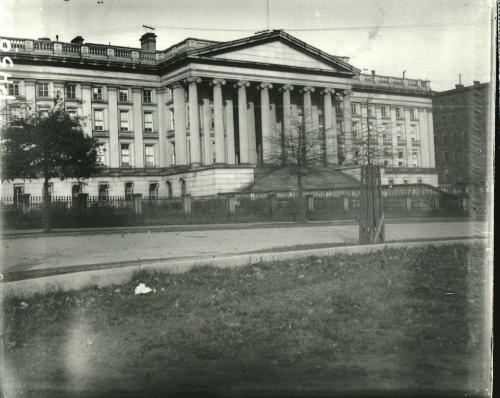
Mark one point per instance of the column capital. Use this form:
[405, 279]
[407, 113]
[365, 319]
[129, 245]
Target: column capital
[218, 82]
[175, 85]
[192, 79]
[347, 93]
[307, 89]
[328, 90]
[265, 85]
[242, 83]
[286, 87]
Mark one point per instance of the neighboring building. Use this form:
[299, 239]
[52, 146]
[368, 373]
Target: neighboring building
[461, 120]
[189, 119]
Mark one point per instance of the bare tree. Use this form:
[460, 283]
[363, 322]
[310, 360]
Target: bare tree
[298, 149]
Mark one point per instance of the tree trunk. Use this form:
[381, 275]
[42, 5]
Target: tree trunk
[302, 201]
[371, 228]
[46, 221]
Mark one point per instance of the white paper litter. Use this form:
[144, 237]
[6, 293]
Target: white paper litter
[142, 289]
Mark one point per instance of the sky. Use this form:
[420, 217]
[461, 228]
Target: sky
[429, 39]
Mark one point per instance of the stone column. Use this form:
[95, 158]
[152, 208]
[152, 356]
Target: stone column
[194, 121]
[180, 124]
[114, 146]
[409, 157]
[86, 109]
[207, 127]
[347, 127]
[430, 138]
[252, 139]
[242, 121]
[231, 156]
[287, 108]
[329, 121]
[265, 120]
[424, 137]
[137, 117]
[308, 123]
[162, 128]
[394, 137]
[220, 147]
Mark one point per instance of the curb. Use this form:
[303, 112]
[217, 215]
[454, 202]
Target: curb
[121, 275]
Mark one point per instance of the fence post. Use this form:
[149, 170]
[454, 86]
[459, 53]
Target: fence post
[310, 203]
[186, 204]
[346, 204]
[270, 197]
[408, 204]
[26, 203]
[82, 203]
[137, 204]
[231, 200]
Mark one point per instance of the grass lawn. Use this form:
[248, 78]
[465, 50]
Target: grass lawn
[398, 320]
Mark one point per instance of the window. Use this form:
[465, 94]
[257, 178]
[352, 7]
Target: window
[97, 92]
[71, 91]
[391, 181]
[101, 154]
[355, 127]
[103, 191]
[183, 186]
[398, 112]
[400, 154]
[399, 131]
[171, 120]
[51, 189]
[123, 95]
[212, 117]
[124, 122]
[386, 162]
[383, 110]
[419, 181]
[405, 181]
[169, 94]
[338, 109]
[445, 156]
[444, 139]
[153, 190]
[98, 120]
[129, 190]
[413, 114]
[414, 159]
[370, 111]
[354, 109]
[148, 121]
[43, 90]
[43, 114]
[18, 193]
[147, 96]
[75, 190]
[169, 189]
[125, 155]
[149, 152]
[413, 132]
[14, 89]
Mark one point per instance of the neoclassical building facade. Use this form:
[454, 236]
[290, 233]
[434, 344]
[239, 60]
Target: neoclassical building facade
[199, 117]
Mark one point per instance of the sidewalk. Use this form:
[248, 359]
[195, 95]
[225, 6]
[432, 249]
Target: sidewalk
[28, 233]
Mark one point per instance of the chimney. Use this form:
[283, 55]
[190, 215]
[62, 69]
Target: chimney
[77, 40]
[476, 83]
[148, 42]
[373, 73]
[459, 86]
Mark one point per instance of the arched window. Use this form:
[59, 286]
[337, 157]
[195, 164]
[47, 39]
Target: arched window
[169, 189]
[183, 186]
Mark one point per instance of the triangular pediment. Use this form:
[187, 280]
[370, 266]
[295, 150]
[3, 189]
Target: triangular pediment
[276, 48]
[275, 53]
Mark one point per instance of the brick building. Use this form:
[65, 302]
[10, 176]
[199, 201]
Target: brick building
[461, 120]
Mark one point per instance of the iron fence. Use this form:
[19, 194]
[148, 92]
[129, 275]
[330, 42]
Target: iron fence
[321, 204]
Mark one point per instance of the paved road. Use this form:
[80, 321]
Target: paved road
[29, 253]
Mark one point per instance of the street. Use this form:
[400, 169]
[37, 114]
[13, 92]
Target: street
[40, 252]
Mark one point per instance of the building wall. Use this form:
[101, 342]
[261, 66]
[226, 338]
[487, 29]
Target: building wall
[461, 122]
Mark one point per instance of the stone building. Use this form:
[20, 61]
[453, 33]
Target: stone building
[197, 117]
[461, 121]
